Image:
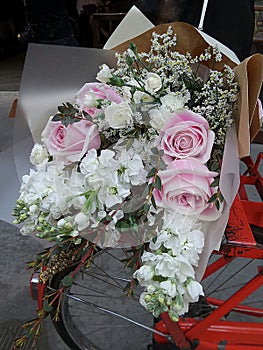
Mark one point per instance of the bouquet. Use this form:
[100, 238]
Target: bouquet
[135, 161]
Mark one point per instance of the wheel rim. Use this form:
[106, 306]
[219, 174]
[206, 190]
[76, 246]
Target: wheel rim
[89, 323]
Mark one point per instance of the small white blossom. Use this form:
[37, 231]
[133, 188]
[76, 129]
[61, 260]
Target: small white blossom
[153, 83]
[82, 220]
[104, 74]
[140, 97]
[39, 154]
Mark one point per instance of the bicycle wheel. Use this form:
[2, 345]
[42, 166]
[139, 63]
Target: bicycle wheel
[97, 314]
[95, 311]
[227, 281]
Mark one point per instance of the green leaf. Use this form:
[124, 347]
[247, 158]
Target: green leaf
[155, 151]
[67, 281]
[47, 307]
[153, 202]
[152, 172]
[158, 183]
[215, 183]
[213, 198]
[215, 166]
[56, 118]
[146, 207]
[220, 197]
[133, 47]
[116, 81]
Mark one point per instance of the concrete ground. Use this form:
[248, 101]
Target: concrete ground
[16, 305]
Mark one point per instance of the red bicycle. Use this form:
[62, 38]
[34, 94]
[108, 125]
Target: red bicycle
[95, 312]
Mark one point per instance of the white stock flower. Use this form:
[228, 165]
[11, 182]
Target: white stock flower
[107, 162]
[112, 192]
[131, 169]
[149, 258]
[169, 241]
[153, 83]
[118, 115]
[144, 275]
[82, 221]
[193, 290]
[142, 299]
[104, 74]
[170, 287]
[89, 163]
[28, 227]
[39, 154]
[168, 266]
[55, 203]
[193, 244]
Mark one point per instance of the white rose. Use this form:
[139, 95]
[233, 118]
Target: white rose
[172, 103]
[104, 74]
[90, 100]
[153, 83]
[140, 96]
[118, 115]
[38, 154]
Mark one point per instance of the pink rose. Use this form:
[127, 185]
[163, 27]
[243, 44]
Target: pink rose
[88, 96]
[186, 134]
[186, 189]
[70, 143]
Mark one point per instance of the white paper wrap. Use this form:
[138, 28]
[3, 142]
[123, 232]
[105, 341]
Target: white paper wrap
[53, 74]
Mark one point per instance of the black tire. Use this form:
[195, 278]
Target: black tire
[113, 333]
[86, 326]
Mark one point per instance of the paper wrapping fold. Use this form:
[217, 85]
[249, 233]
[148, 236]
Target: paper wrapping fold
[249, 75]
[238, 138]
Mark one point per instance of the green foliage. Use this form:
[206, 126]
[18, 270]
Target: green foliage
[67, 114]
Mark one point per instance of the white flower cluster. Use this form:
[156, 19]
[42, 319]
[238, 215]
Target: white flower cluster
[83, 196]
[168, 271]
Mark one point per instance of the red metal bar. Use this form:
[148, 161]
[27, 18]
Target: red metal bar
[176, 332]
[237, 335]
[242, 251]
[243, 309]
[226, 307]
